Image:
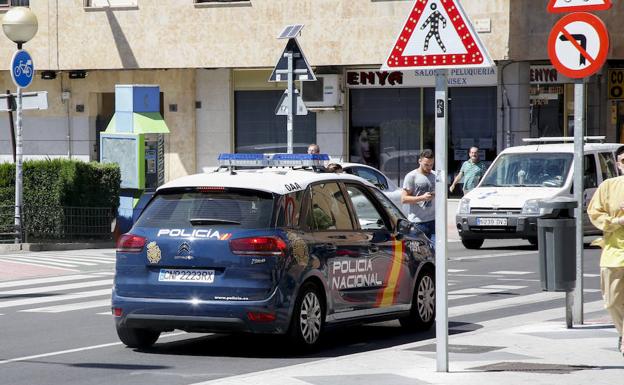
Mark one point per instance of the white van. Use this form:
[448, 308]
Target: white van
[505, 202]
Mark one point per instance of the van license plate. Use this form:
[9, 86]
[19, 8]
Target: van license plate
[491, 221]
[186, 275]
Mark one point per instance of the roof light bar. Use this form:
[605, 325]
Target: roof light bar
[244, 160]
[273, 160]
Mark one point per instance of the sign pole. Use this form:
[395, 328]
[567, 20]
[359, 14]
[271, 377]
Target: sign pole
[18, 169]
[441, 120]
[579, 132]
[290, 99]
[11, 123]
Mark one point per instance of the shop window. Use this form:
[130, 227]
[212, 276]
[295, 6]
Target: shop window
[472, 123]
[14, 3]
[259, 130]
[387, 125]
[110, 3]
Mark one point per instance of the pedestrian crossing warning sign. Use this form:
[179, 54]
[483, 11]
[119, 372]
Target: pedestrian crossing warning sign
[437, 34]
[558, 6]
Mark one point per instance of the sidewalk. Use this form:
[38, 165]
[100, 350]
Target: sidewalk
[535, 348]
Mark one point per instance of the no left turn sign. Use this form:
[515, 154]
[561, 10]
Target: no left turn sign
[578, 45]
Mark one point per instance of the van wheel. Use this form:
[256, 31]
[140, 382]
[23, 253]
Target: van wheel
[308, 317]
[473, 244]
[137, 338]
[422, 313]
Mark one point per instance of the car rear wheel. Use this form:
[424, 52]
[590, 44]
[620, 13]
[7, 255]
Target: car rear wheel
[308, 317]
[473, 244]
[422, 314]
[137, 338]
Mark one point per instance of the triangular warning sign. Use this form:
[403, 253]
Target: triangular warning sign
[558, 6]
[437, 34]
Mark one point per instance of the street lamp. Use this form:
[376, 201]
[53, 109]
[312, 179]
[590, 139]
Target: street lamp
[19, 25]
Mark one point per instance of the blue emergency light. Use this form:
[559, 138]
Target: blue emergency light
[273, 160]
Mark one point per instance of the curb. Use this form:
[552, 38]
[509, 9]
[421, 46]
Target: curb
[54, 246]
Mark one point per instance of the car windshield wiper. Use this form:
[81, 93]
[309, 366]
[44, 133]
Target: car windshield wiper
[489, 185]
[212, 221]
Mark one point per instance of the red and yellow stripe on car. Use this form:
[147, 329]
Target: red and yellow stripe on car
[388, 295]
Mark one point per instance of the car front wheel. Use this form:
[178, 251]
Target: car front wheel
[137, 338]
[422, 314]
[472, 244]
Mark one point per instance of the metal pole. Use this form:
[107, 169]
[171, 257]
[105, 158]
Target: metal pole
[11, 123]
[18, 169]
[441, 102]
[290, 99]
[569, 299]
[579, 132]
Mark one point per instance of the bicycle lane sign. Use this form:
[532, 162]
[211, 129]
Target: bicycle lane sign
[22, 69]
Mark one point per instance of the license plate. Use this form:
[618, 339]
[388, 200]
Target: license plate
[186, 275]
[491, 221]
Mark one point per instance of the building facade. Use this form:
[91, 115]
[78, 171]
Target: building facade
[212, 60]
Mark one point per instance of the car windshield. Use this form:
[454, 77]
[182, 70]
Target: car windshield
[530, 170]
[242, 208]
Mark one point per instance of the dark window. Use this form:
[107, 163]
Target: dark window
[366, 213]
[392, 210]
[14, 3]
[258, 129]
[607, 165]
[372, 176]
[329, 210]
[590, 179]
[289, 210]
[252, 209]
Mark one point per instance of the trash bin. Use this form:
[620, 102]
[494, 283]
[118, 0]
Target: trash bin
[556, 236]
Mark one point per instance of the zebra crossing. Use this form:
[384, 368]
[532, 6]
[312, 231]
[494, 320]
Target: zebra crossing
[58, 294]
[63, 259]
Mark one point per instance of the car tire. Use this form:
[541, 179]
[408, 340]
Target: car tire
[533, 241]
[308, 319]
[137, 338]
[422, 313]
[473, 244]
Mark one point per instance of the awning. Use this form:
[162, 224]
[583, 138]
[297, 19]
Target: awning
[143, 123]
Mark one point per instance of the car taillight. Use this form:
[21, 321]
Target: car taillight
[258, 246]
[130, 243]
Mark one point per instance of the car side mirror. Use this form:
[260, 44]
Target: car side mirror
[404, 227]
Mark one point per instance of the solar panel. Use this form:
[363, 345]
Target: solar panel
[290, 31]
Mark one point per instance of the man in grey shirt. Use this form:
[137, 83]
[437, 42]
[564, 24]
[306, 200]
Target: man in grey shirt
[418, 193]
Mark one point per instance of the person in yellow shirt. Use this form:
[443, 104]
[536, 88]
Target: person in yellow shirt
[606, 212]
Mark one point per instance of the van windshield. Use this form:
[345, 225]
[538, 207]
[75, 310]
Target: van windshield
[530, 170]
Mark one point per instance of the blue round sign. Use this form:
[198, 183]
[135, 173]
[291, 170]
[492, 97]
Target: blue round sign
[22, 69]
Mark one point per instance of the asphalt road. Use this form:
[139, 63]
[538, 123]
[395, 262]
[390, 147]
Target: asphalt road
[60, 331]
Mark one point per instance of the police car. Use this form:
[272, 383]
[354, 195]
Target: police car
[282, 248]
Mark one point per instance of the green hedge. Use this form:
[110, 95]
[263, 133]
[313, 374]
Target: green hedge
[54, 184]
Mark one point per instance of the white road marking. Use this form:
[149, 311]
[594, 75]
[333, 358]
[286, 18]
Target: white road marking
[38, 265]
[497, 255]
[71, 306]
[456, 270]
[504, 287]
[36, 281]
[39, 261]
[472, 292]
[55, 298]
[591, 275]
[511, 272]
[455, 311]
[60, 352]
[46, 289]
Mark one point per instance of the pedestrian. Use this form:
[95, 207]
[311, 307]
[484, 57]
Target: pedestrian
[418, 193]
[314, 149]
[471, 170]
[334, 167]
[606, 212]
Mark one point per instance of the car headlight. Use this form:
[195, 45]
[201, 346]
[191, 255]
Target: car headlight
[464, 206]
[531, 207]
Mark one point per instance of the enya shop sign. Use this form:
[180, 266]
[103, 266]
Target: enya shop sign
[457, 77]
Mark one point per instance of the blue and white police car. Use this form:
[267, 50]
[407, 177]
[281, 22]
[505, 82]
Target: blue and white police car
[281, 248]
